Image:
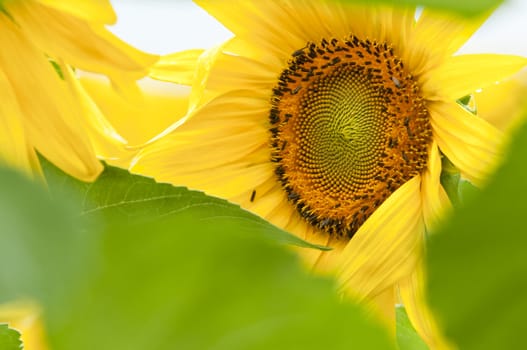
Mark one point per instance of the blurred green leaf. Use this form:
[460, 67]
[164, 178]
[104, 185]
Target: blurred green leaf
[466, 7]
[157, 281]
[9, 338]
[450, 180]
[119, 195]
[30, 265]
[477, 264]
[459, 190]
[467, 191]
[407, 337]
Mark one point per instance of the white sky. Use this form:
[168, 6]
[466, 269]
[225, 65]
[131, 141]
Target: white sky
[165, 26]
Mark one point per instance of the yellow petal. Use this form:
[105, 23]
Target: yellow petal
[435, 200]
[233, 70]
[138, 121]
[437, 36]
[387, 246]
[383, 306]
[446, 33]
[178, 67]
[399, 24]
[462, 75]
[25, 318]
[108, 144]
[228, 135]
[85, 45]
[268, 196]
[199, 94]
[13, 144]
[51, 116]
[263, 21]
[238, 161]
[237, 110]
[412, 292]
[472, 144]
[92, 10]
[504, 104]
[189, 68]
[282, 212]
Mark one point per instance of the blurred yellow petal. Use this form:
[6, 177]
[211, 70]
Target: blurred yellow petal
[25, 318]
[382, 306]
[413, 296]
[177, 67]
[189, 68]
[194, 152]
[92, 10]
[198, 94]
[504, 104]
[437, 36]
[386, 247]
[52, 118]
[13, 144]
[105, 140]
[247, 19]
[85, 45]
[137, 121]
[435, 200]
[61, 121]
[473, 145]
[462, 75]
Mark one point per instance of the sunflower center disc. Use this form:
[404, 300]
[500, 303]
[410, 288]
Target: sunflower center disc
[348, 128]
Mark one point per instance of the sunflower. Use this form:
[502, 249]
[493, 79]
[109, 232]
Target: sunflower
[330, 120]
[44, 109]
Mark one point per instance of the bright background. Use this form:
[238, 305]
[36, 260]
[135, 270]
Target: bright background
[164, 26]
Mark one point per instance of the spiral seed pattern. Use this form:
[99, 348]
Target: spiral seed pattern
[348, 127]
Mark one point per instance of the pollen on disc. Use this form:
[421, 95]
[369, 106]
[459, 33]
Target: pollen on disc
[348, 127]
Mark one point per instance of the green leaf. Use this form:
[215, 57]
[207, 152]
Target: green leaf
[9, 338]
[173, 284]
[118, 194]
[477, 264]
[467, 191]
[157, 281]
[466, 7]
[459, 190]
[407, 337]
[30, 265]
[450, 180]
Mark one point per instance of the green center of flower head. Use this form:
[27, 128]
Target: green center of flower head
[348, 128]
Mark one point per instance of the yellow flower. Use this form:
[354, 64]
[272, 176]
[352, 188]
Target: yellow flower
[25, 318]
[330, 120]
[44, 112]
